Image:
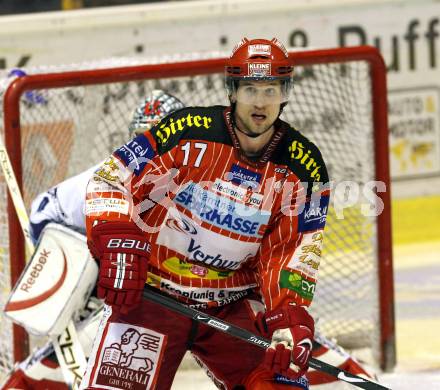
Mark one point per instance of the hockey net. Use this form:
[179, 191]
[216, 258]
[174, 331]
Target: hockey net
[60, 123]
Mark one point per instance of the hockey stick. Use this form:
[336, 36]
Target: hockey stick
[243, 334]
[17, 199]
[67, 347]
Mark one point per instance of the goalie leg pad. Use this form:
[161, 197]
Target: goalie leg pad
[55, 284]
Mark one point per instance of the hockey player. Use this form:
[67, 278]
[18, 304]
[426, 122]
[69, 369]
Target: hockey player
[222, 208]
[64, 204]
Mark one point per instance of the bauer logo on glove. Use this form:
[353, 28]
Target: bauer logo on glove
[116, 243]
[122, 251]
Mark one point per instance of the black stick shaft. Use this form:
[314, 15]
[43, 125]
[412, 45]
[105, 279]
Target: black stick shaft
[252, 338]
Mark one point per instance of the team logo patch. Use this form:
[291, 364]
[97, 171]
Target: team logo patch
[130, 358]
[314, 215]
[244, 177]
[136, 153]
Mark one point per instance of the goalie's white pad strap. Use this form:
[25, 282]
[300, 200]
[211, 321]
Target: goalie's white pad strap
[55, 284]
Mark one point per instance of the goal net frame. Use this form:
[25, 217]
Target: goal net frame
[205, 67]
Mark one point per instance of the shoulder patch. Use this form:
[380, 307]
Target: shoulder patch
[314, 214]
[135, 154]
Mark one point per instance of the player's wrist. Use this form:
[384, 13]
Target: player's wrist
[288, 316]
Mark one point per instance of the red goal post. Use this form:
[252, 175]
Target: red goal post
[302, 59]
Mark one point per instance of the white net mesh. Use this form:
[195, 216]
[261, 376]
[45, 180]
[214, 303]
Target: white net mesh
[67, 130]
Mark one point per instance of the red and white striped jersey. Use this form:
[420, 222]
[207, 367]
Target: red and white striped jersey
[219, 223]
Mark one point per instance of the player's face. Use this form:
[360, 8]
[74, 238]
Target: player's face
[257, 105]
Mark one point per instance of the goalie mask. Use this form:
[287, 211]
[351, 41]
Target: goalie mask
[259, 60]
[156, 106]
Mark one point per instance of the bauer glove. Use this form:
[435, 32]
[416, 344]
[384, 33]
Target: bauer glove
[291, 328]
[123, 253]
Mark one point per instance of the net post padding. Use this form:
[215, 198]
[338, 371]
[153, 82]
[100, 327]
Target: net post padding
[206, 67]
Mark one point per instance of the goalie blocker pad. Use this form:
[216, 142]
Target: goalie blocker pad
[55, 284]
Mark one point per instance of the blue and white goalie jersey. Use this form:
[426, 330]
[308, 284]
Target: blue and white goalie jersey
[64, 204]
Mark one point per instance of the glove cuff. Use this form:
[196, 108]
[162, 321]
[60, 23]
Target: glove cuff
[288, 316]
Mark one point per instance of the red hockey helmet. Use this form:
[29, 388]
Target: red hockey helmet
[259, 59]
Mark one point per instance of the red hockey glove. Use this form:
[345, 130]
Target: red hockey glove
[291, 328]
[123, 252]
